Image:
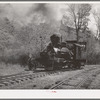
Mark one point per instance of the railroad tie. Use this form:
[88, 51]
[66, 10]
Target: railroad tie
[1, 85]
[29, 77]
[3, 78]
[12, 82]
[6, 83]
[18, 80]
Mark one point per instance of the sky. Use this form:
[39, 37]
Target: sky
[21, 10]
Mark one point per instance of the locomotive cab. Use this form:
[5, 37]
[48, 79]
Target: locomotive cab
[80, 55]
[79, 51]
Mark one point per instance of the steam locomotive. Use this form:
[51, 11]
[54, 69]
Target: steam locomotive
[57, 55]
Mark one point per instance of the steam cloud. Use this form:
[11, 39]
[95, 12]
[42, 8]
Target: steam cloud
[50, 11]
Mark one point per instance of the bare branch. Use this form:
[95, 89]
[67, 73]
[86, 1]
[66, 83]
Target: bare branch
[80, 13]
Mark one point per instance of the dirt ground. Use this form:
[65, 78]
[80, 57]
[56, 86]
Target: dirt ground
[10, 69]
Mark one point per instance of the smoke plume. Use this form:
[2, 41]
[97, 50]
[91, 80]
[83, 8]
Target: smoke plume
[50, 11]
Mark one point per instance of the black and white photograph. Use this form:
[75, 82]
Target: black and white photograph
[46, 46]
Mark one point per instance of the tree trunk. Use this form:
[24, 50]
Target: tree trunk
[77, 37]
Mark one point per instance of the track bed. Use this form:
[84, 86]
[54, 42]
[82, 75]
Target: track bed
[85, 78]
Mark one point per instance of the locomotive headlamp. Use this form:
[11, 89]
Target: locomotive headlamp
[83, 46]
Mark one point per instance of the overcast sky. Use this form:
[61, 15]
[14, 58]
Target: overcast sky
[21, 10]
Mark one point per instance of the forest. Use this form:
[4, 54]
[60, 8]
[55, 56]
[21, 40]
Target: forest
[28, 32]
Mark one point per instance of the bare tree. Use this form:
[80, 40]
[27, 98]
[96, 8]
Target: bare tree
[78, 13]
[96, 15]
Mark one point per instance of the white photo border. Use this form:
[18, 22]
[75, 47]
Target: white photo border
[50, 94]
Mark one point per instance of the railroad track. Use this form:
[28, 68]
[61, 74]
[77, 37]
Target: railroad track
[65, 81]
[22, 77]
[13, 80]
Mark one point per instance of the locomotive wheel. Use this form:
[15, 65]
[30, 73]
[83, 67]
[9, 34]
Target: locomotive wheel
[29, 67]
[70, 65]
[32, 68]
[50, 66]
[77, 65]
[32, 65]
